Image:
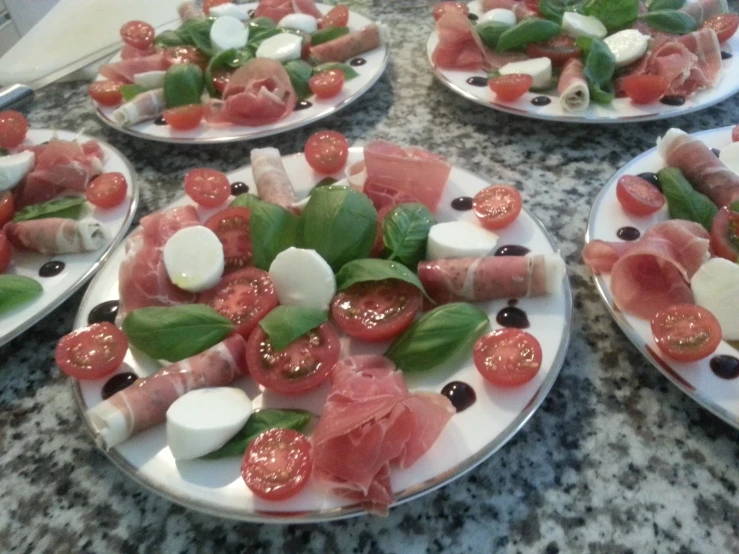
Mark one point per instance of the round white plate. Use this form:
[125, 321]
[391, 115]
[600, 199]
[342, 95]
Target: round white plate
[720, 396]
[621, 110]
[369, 73]
[78, 267]
[216, 486]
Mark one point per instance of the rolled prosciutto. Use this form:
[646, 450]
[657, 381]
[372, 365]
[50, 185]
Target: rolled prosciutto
[705, 9]
[145, 403]
[274, 9]
[574, 94]
[491, 278]
[348, 46]
[56, 235]
[146, 105]
[126, 69]
[273, 184]
[189, 10]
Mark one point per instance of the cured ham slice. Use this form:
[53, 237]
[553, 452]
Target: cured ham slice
[189, 10]
[348, 46]
[491, 278]
[147, 105]
[273, 184]
[55, 235]
[574, 94]
[652, 273]
[307, 7]
[369, 422]
[145, 403]
[488, 5]
[274, 9]
[522, 11]
[143, 280]
[459, 45]
[126, 69]
[705, 9]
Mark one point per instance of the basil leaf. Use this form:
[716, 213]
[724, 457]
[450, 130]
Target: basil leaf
[346, 69]
[490, 33]
[734, 207]
[129, 92]
[405, 230]
[16, 290]
[168, 39]
[231, 59]
[670, 21]
[259, 422]
[260, 24]
[176, 332]
[284, 324]
[531, 29]
[327, 35]
[325, 182]
[683, 201]
[657, 5]
[603, 96]
[183, 85]
[300, 73]
[373, 269]
[196, 32]
[614, 14]
[555, 9]
[3, 152]
[340, 223]
[67, 207]
[600, 65]
[438, 336]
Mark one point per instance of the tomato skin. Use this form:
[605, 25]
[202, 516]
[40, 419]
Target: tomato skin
[231, 226]
[375, 311]
[533, 5]
[644, 89]
[686, 332]
[277, 464]
[106, 93]
[725, 234]
[559, 49]
[7, 207]
[326, 151]
[138, 34]
[221, 77]
[207, 187]
[327, 84]
[337, 16]
[638, 196]
[497, 206]
[92, 352]
[184, 118]
[185, 54]
[442, 7]
[6, 252]
[724, 24]
[107, 190]
[507, 357]
[510, 87]
[208, 4]
[13, 129]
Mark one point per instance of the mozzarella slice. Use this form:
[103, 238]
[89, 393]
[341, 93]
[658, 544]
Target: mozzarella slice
[578, 25]
[730, 156]
[300, 204]
[300, 21]
[193, 258]
[203, 420]
[664, 144]
[150, 79]
[716, 287]
[459, 239]
[627, 46]
[500, 15]
[240, 11]
[283, 47]
[228, 32]
[539, 68]
[303, 278]
[14, 168]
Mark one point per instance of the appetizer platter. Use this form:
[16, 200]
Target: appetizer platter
[351, 314]
[66, 200]
[665, 262]
[239, 72]
[603, 61]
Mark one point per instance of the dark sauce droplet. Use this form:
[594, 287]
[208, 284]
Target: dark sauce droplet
[673, 100]
[239, 187]
[513, 301]
[472, 17]
[117, 383]
[651, 178]
[716, 152]
[511, 316]
[628, 233]
[251, 13]
[460, 394]
[303, 105]
[105, 311]
[160, 120]
[50, 269]
[462, 204]
[477, 81]
[725, 367]
[512, 250]
[541, 101]
[726, 55]
[356, 62]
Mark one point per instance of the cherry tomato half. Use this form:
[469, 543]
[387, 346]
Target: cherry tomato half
[7, 207]
[13, 129]
[277, 464]
[185, 54]
[724, 24]
[184, 118]
[6, 252]
[106, 93]
[107, 190]
[207, 187]
[497, 206]
[327, 84]
[507, 357]
[533, 5]
[231, 226]
[442, 7]
[338, 16]
[92, 352]
[644, 89]
[208, 4]
[686, 332]
[638, 196]
[735, 134]
[138, 34]
[327, 151]
[510, 87]
[725, 234]
[559, 49]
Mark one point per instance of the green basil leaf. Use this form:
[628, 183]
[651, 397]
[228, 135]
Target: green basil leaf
[340, 223]
[346, 69]
[259, 422]
[176, 332]
[531, 29]
[300, 73]
[325, 182]
[555, 9]
[657, 5]
[3, 152]
[260, 24]
[437, 336]
[16, 290]
[373, 269]
[405, 230]
[670, 21]
[614, 14]
[228, 59]
[168, 39]
[196, 32]
[284, 324]
[600, 95]
[67, 207]
[734, 207]
[491, 32]
[600, 64]
[129, 91]
[183, 85]
[683, 201]
[328, 34]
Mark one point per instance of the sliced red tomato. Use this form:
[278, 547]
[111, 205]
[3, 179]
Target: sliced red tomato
[210, 188]
[185, 54]
[138, 34]
[302, 365]
[6, 252]
[725, 234]
[277, 464]
[327, 151]
[208, 4]
[507, 357]
[184, 118]
[735, 134]
[337, 16]
[375, 311]
[107, 190]
[442, 7]
[638, 196]
[7, 207]
[244, 296]
[559, 49]
[724, 24]
[497, 206]
[644, 89]
[231, 226]
[510, 87]
[327, 84]
[686, 332]
[92, 352]
[221, 77]
[533, 5]
[106, 93]
[13, 129]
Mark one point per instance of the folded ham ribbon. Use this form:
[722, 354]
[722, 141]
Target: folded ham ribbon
[146, 105]
[348, 46]
[574, 94]
[273, 184]
[56, 235]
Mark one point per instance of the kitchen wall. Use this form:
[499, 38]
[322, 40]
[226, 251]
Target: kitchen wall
[17, 17]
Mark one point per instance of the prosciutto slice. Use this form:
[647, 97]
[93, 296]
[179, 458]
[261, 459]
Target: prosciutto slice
[189, 10]
[274, 9]
[273, 184]
[705, 9]
[350, 45]
[491, 278]
[574, 94]
[459, 45]
[55, 235]
[147, 105]
[126, 69]
[369, 422]
[307, 7]
[145, 403]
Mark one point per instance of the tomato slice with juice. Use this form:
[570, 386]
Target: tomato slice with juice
[638, 196]
[231, 226]
[92, 352]
[326, 151]
[686, 332]
[559, 49]
[725, 234]
[13, 129]
[209, 188]
[507, 357]
[7, 207]
[724, 24]
[6, 252]
[107, 190]
[510, 87]
[497, 206]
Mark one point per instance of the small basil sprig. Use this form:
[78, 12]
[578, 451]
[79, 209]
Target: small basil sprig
[325, 182]
[373, 269]
[405, 230]
[614, 14]
[657, 5]
[491, 32]
[555, 9]
[183, 85]
[670, 21]
[196, 32]
[67, 207]
[300, 73]
[228, 59]
[683, 201]
[600, 64]
[531, 29]
[284, 324]
[16, 290]
[348, 71]
[328, 34]
[131, 91]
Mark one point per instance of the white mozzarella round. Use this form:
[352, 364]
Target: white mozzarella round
[578, 25]
[283, 47]
[716, 287]
[500, 15]
[627, 46]
[150, 79]
[459, 239]
[237, 11]
[193, 258]
[228, 32]
[203, 420]
[664, 143]
[300, 21]
[539, 68]
[730, 156]
[301, 204]
[14, 168]
[303, 278]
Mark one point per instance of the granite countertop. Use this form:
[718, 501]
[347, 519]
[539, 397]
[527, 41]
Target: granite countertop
[616, 459]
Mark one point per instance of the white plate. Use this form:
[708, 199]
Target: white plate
[78, 267]
[720, 396]
[216, 486]
[621, 110]
[369, 73]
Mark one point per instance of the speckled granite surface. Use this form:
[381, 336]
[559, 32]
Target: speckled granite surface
[616, 460]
